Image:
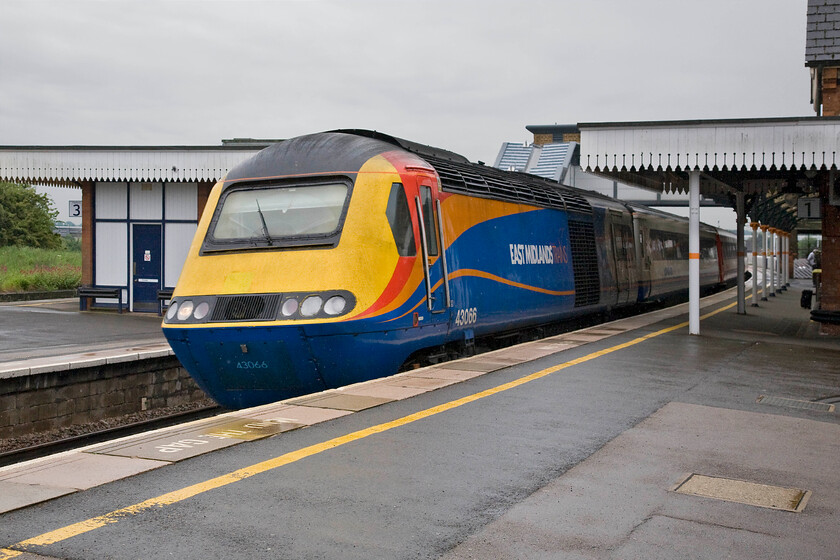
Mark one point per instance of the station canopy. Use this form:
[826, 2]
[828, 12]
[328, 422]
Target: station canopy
[70, 165]
[772, 161]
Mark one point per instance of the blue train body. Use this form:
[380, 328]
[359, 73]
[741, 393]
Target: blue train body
[424, 251]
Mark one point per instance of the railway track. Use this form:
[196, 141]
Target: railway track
[19, 455]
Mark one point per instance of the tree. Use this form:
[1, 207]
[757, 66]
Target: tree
[26, 218]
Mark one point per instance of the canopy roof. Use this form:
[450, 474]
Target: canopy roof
[68, 165]
[772, 161]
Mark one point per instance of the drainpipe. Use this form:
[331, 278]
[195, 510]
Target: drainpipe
[764, 286]
[773, 259]
[754, 226]
[740, 218]
[786, 253]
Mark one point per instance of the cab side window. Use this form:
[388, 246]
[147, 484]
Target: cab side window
[400, 219]
[429, 219]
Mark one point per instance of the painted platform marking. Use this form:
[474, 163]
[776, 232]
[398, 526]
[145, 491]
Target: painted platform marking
[116, 516]
[179, 444]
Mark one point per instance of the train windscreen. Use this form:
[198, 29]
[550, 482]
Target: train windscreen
[278, 216]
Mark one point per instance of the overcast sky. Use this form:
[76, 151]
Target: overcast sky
[461, 75]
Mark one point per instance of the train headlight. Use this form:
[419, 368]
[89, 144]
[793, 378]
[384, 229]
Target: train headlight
[185, 310]
[311, 306]
[290, 307]
[335, 305]
[201, 310]
[191, 311]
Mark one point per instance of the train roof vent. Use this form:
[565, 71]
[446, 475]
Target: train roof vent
[489, 182]
[576, 202]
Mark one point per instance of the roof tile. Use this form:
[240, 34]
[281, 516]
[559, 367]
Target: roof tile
[822, 38]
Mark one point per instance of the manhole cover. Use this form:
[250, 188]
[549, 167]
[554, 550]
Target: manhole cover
[743, 492]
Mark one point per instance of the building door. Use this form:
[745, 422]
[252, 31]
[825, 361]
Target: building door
[147, 266]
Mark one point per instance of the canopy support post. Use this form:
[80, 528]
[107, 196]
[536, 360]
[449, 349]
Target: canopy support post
[694, 252]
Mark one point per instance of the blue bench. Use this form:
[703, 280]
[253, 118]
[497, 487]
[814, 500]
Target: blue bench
[85, 292]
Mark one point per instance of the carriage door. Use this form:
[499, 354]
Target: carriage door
[641, 235]
[434, 261]
[146, 266]
[622, 263]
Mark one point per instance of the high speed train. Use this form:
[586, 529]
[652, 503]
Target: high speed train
[332, 258]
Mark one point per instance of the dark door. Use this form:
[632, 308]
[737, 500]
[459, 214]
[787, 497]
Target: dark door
[147, 266]
[622, 263]
[642, 237]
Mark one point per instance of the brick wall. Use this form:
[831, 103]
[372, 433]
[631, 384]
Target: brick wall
[542, 139]
[830, 92]
[42, 402]
[830, 291]
[87, 232]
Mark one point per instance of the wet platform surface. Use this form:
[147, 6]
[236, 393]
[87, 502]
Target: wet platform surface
[578, 446]
[53, 335]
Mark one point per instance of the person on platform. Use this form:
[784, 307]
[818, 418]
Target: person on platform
[814, 259]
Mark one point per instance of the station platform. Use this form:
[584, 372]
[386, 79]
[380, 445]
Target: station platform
[631, 439]
[50, 335]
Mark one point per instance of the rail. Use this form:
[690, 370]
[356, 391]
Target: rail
[65, 444]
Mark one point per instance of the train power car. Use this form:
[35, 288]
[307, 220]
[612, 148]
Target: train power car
[329, 259]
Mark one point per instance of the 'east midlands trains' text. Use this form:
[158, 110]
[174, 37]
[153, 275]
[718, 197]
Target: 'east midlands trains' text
[537, 254]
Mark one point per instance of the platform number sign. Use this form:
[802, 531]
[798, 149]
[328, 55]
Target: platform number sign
[75, 208]
[809, 208]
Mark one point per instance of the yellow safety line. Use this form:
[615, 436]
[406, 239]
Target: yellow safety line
[82, 527]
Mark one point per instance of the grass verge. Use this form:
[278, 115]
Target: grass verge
[27, 269]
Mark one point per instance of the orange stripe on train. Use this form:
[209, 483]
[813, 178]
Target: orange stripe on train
[407, 276]
[489, 276]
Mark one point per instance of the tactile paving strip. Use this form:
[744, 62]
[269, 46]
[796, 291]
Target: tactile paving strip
[339, 401]
[14, 495]
[78, 471]
[470, 365]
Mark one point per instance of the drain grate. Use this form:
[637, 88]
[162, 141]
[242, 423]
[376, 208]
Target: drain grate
[743, 492]
[794, 403]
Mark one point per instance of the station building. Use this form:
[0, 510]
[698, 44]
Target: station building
[140, 206]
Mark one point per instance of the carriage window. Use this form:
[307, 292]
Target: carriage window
[429, 220]
[269, 216]
[623, 242]
[400, 219]
[708, 249]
